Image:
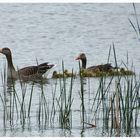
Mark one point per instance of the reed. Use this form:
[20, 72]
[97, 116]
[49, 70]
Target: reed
[14, 101]
[30, 102]
[137, 26]
[23, 106]
[3, 97]
[53, 108]
[122, 110]
[82, 95]
[65, 101]
[11, 106]
[43, 117]
[115, 105]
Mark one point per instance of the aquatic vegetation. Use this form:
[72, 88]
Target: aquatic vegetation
[110, 102]
[96, 71]
[137, 26]
[65, 100]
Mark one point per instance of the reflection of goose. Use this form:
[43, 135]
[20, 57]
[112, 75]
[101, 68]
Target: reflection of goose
[104, 67]
[31, 72]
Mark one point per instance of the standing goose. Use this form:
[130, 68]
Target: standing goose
[30, 72]
[103, 68]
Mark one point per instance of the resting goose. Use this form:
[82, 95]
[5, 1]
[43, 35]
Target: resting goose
[104, 67]
[30, 72]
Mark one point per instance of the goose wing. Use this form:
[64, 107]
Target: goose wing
[35, 70]
[44, 67]
[104, 67]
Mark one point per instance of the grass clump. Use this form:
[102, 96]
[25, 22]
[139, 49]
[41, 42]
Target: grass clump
[65, 100]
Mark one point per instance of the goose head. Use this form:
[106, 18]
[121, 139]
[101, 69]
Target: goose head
[8, 54]
[5, 51]
[83, 59]
[11, 72]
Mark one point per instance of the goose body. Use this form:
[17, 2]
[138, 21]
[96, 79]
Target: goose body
[30, 72]
[103, 67]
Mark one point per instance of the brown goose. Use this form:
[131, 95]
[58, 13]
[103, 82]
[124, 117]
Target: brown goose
[30, 72]
[104, 67]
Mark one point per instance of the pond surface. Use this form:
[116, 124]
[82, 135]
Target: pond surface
[56, 32]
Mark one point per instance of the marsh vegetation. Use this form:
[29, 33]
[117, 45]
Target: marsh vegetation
[74, 102]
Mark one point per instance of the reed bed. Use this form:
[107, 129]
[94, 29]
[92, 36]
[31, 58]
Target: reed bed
[115, 102]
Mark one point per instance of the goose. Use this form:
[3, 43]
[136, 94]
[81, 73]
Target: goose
[103, 68]
[26, 73]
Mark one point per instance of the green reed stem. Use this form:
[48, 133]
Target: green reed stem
[53, 110]
[82, 94]
[29, 108]
[109, 53]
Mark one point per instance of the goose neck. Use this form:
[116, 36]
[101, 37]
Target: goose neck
[10, 62]
[84, 62]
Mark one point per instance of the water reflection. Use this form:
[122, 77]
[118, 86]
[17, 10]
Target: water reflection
[15, 109]
[82, 132]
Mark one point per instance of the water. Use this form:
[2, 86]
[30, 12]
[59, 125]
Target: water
[56, 32]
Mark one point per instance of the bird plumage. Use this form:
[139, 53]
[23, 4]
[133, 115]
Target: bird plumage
[30, 72]
[103, 67]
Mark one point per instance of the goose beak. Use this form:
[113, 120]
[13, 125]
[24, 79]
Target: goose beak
[77, 58]
[0, 50]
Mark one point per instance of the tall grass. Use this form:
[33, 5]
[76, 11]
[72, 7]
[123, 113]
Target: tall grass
[137, 26]
[30, 102]
[65, 101]
[3, 96]
[115, 105]
[82, 94]
[43, 107]
[53, 108]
